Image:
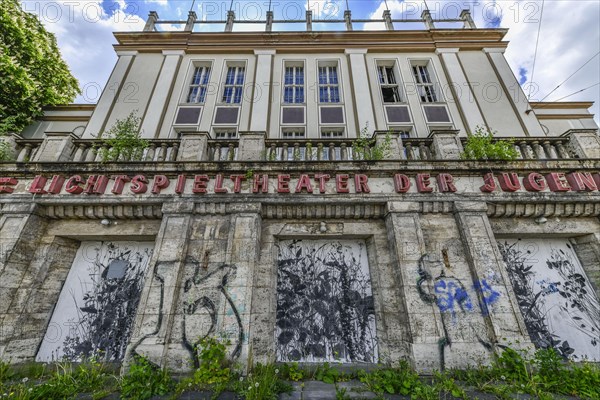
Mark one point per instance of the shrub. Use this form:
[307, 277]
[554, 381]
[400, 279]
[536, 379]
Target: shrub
[144, 380]
[365, 147]
[122, 142]
[483, 146]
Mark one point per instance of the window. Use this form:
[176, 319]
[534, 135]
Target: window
[332, 133]
[388, 84]
[293, 133]
[329, 88]
[234, 85]
[199, 85]
[293, 86]
[425, 85]
[225, 134]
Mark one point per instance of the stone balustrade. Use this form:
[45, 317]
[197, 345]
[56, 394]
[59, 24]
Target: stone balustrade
[253, 146]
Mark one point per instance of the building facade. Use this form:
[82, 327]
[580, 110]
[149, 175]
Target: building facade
[254, 217]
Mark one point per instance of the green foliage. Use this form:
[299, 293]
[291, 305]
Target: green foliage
[6, 151]
[325, 373]
[401, 380]
[6, 372]
[32, 72]
[144, 380]
[365, 147]
[122, 142]
[292, 372]
[483, 146]
[263, 383]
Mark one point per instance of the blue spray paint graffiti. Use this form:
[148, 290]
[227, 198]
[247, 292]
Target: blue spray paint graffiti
[488, 297]
[451, 294]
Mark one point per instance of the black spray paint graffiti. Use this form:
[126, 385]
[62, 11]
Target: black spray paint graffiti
[451, 297]
[105, 319]
[536, 295]
[325, 309]
[203, 293]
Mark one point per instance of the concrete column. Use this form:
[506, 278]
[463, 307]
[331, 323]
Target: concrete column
[514, 91]
[243, 249]
[192, 17]
[362, 93]
[57, 146]
[585, 143]
[446, 145]
[463, 93]
[422, 320]
[26, 310]
[348, 19]
[230, 21]
[465, 15]
[387, 19]
[269, 26]
[262, 82]
[20, 228]
[426, 16]
[162, 93]
[503, 317]
[160, 298]
[193, 147]
[252, 146]
[109, 95]
[151, 21]
[308, 20]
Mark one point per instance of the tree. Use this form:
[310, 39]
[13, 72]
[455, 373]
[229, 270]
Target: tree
[32, 72]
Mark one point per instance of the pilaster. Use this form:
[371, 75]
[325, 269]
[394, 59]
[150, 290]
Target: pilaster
[262, 95]
[585, 143]
[446, 145]
[503, 317]
[57, 146]
[362, 92]
[162, 92]
[252, 146]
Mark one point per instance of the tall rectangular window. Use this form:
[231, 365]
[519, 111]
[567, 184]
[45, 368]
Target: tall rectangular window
[199, 85]
[388, 84]
[293, 86]
[425, 85]
[234, 85]
[329, 87]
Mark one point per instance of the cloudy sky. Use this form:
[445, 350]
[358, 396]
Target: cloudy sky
[569, 33]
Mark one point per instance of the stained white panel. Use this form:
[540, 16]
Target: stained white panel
[95, 312]
[558, 303]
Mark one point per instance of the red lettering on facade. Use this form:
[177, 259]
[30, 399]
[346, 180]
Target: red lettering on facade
[509, 182]
[6, 183]
[283, 183]
[322, 179]
[56, 184]
[582, 182]
[139, 184]
[446, 183]
[96, 184]
[341, 183]
[361, 182]
[160, 182]
[180, 185]
[237, 182]
[489, 184]
[424, 183]
[72, 185]
[557, 182]
[37, 186]
[219, 185]
[534, 182]
[200, 184]
[261, 183]
[304, 184]
[119, 184]
[401, 183]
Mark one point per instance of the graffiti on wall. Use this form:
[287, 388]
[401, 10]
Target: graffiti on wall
[96, 309]
[559, 306]
[437, 286]
[325, 308]
[203, 295]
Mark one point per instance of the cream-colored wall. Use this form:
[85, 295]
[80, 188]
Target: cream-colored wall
[218, 63]
[494, 102]
[135, 92]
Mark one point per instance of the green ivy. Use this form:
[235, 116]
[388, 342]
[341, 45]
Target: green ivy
[482, 145]
[6, 151]
[122, 142]
[32, 72]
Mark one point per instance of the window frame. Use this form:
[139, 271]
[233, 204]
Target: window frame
[382, 71]
[332, 89]
[425, 82]
[236, 96]
[200, 97]
[294, 86]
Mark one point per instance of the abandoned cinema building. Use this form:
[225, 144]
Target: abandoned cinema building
[252, 216]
